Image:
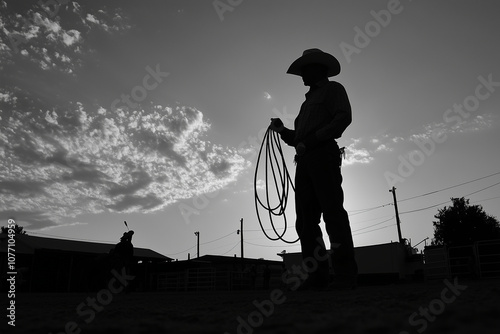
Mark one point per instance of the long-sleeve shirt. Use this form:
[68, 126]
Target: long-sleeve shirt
[323, 116]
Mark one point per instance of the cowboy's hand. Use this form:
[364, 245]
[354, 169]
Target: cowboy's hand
[276, 125]
[300, 149]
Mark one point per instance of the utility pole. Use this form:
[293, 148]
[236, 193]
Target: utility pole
[398, 222]
[240, 231]
[197, 243]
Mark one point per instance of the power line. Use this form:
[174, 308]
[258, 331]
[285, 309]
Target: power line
[372, 208]
[103, 241]
[380, 228]
[227, 235]
[364, 228]
[207, 242]
[433, 206]
[268, 229]
[218, 247]
[352, 213]
[429, 207]
[475, 192]
[426, 208]
[357, 212]
[484, 200]
[369, 220]
[258, 238]
[352, 223]
[457, 185]
[411, 211]
[360, 211]
[268, 245]
[182, 251]
[231, 248]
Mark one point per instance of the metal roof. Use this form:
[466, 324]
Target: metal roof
[27, 244]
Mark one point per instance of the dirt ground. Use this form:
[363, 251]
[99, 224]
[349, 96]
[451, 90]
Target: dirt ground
[437, 307]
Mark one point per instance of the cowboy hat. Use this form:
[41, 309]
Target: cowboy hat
[315, 56]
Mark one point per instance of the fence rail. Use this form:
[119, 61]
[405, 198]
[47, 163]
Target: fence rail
[479, 260]
[488, 253]
[437, 264]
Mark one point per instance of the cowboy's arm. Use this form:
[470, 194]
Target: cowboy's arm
[288, 136]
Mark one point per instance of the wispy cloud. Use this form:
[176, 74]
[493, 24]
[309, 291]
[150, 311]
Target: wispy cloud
[442, 129]
[39, 36]
[63, 225]
[356, 154]
[365, 150]
[65, 158]
[81, 161]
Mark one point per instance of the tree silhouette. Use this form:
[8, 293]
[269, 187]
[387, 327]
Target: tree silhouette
[462, 224]
[17, 229]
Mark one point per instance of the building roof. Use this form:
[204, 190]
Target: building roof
[231, 259]
[27, 244]
[219, 260]
[392, 243]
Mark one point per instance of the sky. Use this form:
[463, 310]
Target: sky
[153, 112]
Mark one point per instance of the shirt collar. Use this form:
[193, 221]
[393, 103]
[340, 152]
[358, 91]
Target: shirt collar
[322, 82]
[318, 85]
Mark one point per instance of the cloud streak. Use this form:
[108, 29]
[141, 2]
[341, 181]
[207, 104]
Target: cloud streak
[365, 150]
[80, 161]
[40, 38]
[60, 158]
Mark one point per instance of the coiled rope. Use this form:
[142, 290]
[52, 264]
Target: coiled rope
[275, 167]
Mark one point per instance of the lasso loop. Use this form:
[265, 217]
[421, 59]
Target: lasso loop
[274, 163]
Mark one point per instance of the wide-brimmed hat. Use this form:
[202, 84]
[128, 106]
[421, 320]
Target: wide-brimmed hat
[315, 56]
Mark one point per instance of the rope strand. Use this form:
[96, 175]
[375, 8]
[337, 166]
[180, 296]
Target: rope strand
[275, 161]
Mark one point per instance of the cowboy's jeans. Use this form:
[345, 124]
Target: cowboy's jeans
[318, 190]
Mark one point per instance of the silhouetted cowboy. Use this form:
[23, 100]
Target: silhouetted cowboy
[124, 251]
[323, 117]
